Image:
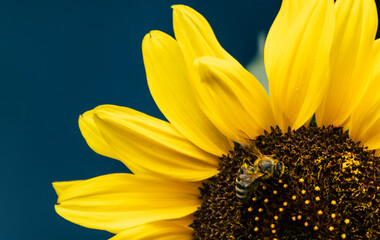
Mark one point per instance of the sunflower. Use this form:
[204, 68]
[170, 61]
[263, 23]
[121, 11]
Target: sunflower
[309, 151]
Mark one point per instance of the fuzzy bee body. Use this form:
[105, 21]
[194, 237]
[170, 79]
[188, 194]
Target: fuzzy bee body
[264, 167]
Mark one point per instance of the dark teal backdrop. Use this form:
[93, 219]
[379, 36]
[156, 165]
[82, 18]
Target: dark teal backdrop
[61, 58]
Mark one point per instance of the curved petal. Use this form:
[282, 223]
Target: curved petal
[196, 39]
[365, 119]
[116, 202]
[92, 135]
[168, 81]
[150, 146]
[233, 99]
[159, 230]
[59, 187]
[195, 36]
[350, 63]
[296, 58]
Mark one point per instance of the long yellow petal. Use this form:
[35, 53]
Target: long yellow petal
[169, 84]
[233, 99]
[196, 39]
[350, 61]
[116, 202]
[365, 119]
[160, 230]
[59, 187]
[92, 135]
[195, 35]
[296, 58]
[150, 146]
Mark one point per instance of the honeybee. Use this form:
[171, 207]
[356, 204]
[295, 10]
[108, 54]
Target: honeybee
[264, 167]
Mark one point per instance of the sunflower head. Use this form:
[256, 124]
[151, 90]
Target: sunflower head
[328, 190]
[232, 162]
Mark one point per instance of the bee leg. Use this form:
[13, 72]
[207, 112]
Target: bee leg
[255, 186]
[257, 191]
[247, 161]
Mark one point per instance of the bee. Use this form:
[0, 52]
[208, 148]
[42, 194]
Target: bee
[264, 167]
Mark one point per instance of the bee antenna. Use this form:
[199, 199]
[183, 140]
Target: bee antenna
[255, 150]
[246, 139]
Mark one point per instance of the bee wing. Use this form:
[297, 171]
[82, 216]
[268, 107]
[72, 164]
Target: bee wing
[256, 175]
[248, 181]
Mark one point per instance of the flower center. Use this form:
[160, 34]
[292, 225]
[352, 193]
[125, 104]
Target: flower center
[328, 190]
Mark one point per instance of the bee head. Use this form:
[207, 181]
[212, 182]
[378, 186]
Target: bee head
[279, 170]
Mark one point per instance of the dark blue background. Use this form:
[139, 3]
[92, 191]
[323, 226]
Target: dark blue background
[59, 59]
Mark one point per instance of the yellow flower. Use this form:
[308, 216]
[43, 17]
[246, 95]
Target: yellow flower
[321, 60]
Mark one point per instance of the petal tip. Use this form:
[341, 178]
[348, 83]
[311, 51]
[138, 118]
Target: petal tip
[155, 37]
[54, 184]
[152, 34]
[179, 7]
[183, 10]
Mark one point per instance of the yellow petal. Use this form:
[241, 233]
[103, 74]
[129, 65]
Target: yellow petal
[116, 202]
[150, 146]
[62, 186]
[377, 152]
[159, 230]
[350, 70]
[296, 58]
[183, 221]
[92, 135]
[196, 39]
[365, 119]
[195, 36]
[233, 99]
[168, 81]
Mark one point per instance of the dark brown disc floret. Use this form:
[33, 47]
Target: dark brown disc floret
[329, 190]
